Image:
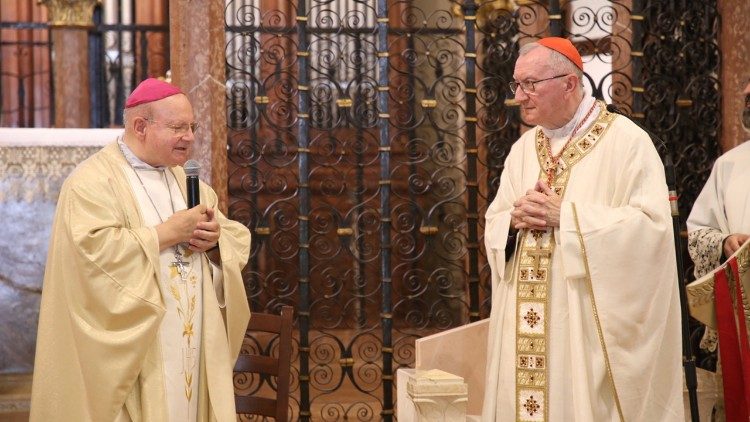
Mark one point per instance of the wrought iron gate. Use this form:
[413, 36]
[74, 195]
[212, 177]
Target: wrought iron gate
[366, 141]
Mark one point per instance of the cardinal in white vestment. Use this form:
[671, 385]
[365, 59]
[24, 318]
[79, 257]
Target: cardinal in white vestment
[143, 307]
[585, 321]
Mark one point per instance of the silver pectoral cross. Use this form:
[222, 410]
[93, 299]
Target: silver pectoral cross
[183, 268]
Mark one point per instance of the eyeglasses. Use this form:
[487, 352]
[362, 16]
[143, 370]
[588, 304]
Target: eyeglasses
[527, 86]
[181, 129]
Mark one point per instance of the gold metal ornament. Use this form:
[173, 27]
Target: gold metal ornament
[70, 13]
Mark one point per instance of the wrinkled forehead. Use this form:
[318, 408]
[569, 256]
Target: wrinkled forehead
[532, 65]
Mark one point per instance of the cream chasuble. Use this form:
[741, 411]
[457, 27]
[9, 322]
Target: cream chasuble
[585, 318]
[109, 310]
[180, 286]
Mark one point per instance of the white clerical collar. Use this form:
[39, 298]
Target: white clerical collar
[563, 132]
[133, 160]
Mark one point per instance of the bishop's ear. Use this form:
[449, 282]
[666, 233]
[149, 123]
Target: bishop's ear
[139, 125]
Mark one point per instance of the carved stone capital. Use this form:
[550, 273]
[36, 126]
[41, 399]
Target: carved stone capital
[488, 10]
[437, 396]
[70, 13]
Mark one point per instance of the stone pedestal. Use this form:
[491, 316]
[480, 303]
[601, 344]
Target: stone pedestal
[432, 395]
[450, 365]
[461, 351]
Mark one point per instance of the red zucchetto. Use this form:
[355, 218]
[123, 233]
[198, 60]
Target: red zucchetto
[564, 47]
[149, 90]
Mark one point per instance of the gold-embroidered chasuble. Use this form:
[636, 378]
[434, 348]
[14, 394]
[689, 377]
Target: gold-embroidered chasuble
[99, 347]
[532, 272]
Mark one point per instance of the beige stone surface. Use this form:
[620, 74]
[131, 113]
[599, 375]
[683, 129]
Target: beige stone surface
[430, 395]
[460, 351]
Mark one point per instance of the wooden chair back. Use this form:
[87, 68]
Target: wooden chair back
[266, 366]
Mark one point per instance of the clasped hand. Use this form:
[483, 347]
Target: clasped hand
[196, 226]
[539, 209]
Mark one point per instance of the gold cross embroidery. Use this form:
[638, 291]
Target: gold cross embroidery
[538, 253]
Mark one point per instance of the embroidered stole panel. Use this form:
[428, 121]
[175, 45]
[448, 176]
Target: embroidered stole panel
[532, 274]
[180, 332]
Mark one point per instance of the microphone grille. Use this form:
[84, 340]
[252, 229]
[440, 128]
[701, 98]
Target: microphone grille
[192, 168]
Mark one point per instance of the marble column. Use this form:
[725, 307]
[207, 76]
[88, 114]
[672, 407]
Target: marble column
[69, 24]
[734, 41]
[198, 68]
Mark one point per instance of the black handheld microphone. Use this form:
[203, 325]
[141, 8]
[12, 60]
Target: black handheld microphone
[192, 168]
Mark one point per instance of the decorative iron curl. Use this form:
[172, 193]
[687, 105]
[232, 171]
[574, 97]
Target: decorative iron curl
[410, 149]
[406, 247]
[279, 21]
[246, 15]
[403, 350]
[368, 377]
[359, 411]
[413, 282]
[279, 52]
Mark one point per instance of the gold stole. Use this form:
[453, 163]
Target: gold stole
[532, 273]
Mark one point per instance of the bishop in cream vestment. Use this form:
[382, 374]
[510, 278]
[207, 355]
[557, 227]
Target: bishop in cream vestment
[101, 354]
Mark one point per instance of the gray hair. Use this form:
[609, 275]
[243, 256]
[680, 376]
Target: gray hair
[142, 110]
[557, 62]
